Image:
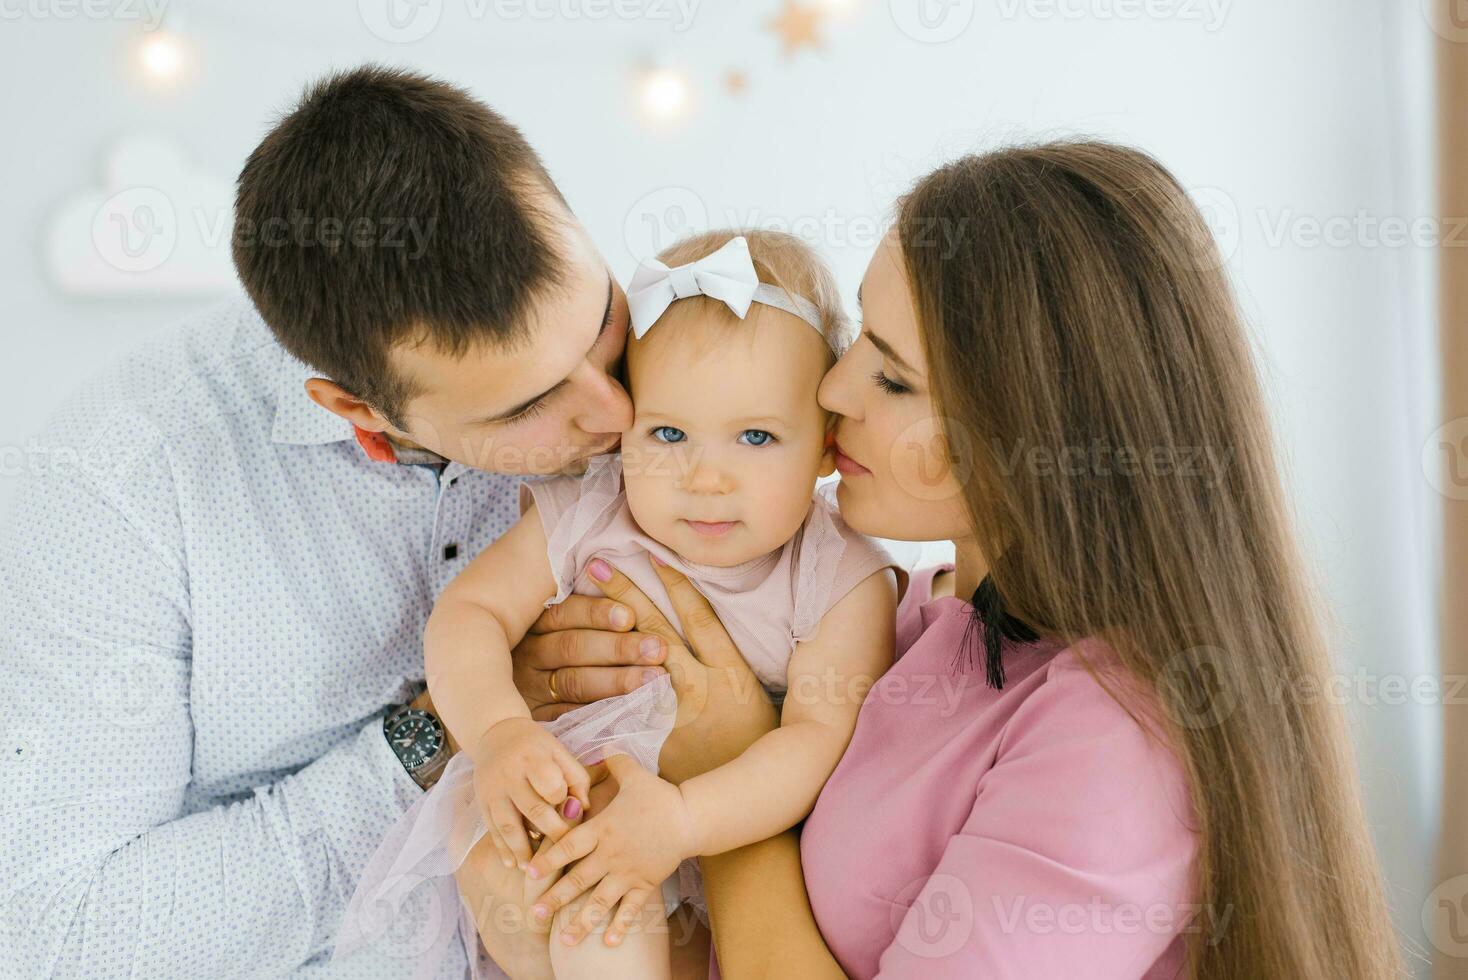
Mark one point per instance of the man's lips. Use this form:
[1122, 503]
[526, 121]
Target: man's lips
[848, 466]
[711, 529]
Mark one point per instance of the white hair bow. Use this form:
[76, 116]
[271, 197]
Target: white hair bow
[727, 275]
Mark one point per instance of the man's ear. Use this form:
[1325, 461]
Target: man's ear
[828, 458]
[336, 399]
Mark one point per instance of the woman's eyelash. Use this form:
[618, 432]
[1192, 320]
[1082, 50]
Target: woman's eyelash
[888, 385]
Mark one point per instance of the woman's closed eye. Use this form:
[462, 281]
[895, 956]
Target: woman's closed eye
[888, 385]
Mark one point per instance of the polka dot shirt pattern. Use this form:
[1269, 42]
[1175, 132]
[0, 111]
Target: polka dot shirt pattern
[210, 594]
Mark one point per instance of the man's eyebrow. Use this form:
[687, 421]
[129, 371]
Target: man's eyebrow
[606, 320]
[882, 345]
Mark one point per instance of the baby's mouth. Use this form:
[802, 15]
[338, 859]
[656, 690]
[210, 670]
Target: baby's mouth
[712, 529]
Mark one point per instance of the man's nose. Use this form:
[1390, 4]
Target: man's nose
[606, 406]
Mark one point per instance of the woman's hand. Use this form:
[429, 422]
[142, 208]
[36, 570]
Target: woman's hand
[722, 709]
[622, 854]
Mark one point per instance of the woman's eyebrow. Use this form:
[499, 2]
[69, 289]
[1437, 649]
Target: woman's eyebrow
[882, 345]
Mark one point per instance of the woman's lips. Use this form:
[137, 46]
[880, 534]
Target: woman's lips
[848, 466]
[712, 529]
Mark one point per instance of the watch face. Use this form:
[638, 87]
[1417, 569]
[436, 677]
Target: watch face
[416, 736]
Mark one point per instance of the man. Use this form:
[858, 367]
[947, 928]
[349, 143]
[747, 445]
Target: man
[212, 605]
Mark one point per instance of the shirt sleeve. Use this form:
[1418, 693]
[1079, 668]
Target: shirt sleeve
[101, 871]
[1075, 861]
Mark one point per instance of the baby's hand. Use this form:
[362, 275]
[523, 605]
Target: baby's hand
[624, 853]
[523, 773]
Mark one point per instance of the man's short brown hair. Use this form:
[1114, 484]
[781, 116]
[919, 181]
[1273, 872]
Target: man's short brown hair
[390, 207]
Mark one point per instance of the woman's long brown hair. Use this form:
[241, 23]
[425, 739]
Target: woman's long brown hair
[1101, 399]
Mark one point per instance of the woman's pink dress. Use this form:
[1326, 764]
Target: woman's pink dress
[1034, 831]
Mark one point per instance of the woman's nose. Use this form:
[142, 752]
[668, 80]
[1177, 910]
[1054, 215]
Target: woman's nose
[836, 393]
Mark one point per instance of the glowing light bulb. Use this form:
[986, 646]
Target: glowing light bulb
[162, 56]
[664, 95]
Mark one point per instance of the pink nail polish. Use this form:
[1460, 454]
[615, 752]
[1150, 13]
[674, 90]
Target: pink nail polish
[600, 570]
[571, 809]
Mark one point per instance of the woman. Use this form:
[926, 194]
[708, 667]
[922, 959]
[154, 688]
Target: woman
[1101, 778]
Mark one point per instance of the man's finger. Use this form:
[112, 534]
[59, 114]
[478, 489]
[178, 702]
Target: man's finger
[585, 612]
[618, 586]
[589, 648]
[583, 685]
[705, 635]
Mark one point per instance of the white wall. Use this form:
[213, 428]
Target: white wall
[1278, 113]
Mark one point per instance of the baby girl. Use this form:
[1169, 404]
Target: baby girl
[717, 478]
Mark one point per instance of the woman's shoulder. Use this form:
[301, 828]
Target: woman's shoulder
[1091, 718]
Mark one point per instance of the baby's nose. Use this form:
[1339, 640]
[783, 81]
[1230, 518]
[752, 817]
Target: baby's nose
[707, 479]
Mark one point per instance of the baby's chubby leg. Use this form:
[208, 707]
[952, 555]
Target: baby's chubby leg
[642, 953]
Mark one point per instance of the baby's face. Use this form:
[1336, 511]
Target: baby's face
[727, 439]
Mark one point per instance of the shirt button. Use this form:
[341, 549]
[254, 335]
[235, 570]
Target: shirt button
[450, 552]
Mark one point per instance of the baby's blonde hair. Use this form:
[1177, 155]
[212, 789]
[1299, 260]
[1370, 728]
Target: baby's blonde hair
[780, 259]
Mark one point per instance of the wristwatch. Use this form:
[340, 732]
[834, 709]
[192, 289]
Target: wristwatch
[417, 738]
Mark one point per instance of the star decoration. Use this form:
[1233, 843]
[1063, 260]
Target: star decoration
[796, 26]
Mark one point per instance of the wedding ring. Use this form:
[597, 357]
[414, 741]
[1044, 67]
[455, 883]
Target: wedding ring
[535, 834]
[555, 695]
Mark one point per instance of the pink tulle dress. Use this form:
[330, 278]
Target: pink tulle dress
[767, 604]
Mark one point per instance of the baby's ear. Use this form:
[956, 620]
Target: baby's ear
[828, 457]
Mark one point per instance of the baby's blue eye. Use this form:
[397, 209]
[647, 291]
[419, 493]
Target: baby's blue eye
[666, 433]
[756, 437]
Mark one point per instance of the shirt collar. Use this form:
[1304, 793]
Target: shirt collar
[301, 422]
[298, 420]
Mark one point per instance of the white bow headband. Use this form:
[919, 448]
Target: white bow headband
[726, 275]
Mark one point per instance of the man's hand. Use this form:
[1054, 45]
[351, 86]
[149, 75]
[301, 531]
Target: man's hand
[582, 650]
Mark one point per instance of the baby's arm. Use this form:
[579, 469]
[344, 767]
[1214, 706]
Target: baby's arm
[773, 785]
[479, 617]
[520, 770]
